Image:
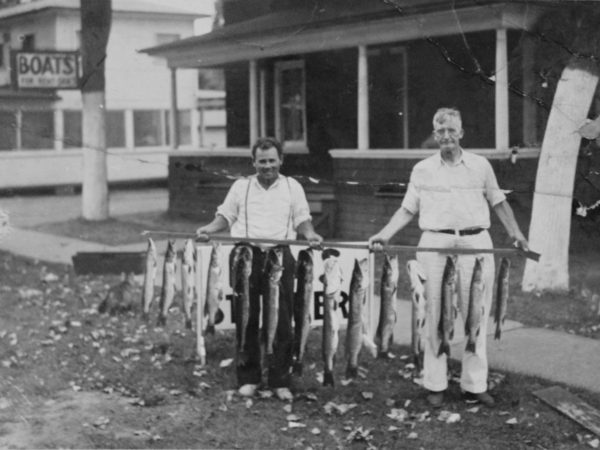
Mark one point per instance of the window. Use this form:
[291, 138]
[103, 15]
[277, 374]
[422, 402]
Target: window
[8, 130]
[185, 127]
[28, 42]
[148, 128]
[115, 129]
[37, 130]
[290, 103]
[72, 129]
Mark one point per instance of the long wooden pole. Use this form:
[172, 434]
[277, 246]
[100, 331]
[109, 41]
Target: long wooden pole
[344, 244]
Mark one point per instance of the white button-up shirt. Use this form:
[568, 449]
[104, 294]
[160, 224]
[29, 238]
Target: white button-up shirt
[273, 213]
[453, 196]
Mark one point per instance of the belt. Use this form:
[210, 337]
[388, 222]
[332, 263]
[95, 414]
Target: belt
[467, 232]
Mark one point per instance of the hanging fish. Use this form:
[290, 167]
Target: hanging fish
[241, 289]
[355, 332]
[214, 289]
[417, 278]
[387, 311]
[447, 305]
[273, 272]
[501, 296]
[475, 312]
[332, 286]
[151, 267]
[187, 281]
[303, 298]
[200, 304]
[167, 293]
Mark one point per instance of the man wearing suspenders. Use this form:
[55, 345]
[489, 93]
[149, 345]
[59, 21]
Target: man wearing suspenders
[266, 205]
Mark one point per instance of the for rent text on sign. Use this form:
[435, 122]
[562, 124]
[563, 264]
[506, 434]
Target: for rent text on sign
[50, 70]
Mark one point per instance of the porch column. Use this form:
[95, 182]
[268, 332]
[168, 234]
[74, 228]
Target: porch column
[529, 106]
[173, 119]
[129, 130]
[363, 99]
[263, 103]
[502, 130]
[253, 102]
[195, 127]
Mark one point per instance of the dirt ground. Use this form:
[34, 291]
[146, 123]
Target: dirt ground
[72, 378]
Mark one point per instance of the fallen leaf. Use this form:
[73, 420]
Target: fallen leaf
[249, 403]
[398, 414]
[412, 435]
[590, 129]
[101, 422]
[226, 363]
[473, 410]
[594, 443]
[315, 431]
[512, 421]
[367, 395]
[292, 418]
[296, 425]
[287, 408]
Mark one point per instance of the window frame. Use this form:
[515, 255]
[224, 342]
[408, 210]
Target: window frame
[296, 146]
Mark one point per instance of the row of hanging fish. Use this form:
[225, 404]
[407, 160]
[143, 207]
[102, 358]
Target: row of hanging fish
[449, 305]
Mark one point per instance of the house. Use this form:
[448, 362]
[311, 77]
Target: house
[40, 129]
[350, 87]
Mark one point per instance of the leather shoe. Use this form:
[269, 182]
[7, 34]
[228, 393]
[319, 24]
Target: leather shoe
[481, 397]
[435, 399]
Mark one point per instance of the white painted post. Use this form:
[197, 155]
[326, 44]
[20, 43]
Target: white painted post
[529, 105]
[129, 130]
[173, 118]
[502, 129]
[263, 103]
[253, 103]
[363, 99]
[195, 127]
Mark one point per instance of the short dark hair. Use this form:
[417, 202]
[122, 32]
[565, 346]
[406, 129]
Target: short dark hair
[265, 143]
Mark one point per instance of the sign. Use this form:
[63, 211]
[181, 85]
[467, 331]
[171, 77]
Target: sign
[346, 259]
[46, 70]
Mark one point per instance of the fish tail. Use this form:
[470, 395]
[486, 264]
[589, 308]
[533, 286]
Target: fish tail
[210, 329]
[498, 332]
[328, 378]
[444, 348]
[188, 324]
[161, 321]
[470, 346]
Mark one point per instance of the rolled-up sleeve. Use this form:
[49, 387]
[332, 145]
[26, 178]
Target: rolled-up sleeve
[411, 198]
[230, 207]
[300, 209]
[493, 194]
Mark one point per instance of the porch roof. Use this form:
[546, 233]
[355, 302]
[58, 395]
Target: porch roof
[301, 31]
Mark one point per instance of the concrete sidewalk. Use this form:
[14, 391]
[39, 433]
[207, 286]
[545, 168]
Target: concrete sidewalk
[555, 356]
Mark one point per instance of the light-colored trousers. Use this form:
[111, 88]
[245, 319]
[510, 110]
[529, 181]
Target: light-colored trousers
[474, 365]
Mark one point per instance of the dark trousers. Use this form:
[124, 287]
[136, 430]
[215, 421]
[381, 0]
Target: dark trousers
[279, 371]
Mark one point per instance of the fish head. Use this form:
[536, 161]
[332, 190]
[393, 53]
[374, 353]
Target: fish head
[246, 257]
[450, 274]
[333, 275]
[391, 269]
[215, 254]
[170, 253]
[361, 272]
[478, 270]
[305, 265]
[188, 251]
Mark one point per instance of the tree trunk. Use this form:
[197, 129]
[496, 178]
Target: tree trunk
[550, 227]
[94, 193]
[95, 29]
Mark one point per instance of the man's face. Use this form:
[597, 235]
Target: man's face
[448, 133]
[267, 164]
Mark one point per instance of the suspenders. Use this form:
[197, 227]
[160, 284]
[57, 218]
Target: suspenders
[287, 230]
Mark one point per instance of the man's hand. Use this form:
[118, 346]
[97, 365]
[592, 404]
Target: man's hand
[315, 240]
[377, 242]
[522, 244]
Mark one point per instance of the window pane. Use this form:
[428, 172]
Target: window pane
[292, 105]
[115, 129]
[8, 130]
[185, 128]
[148, 128]
[37, 130]
[72, 129]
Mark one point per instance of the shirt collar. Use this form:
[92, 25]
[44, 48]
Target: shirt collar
[254, 179]
[462, 159]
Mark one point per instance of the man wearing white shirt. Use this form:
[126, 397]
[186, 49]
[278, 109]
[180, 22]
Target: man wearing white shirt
[266, 205]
